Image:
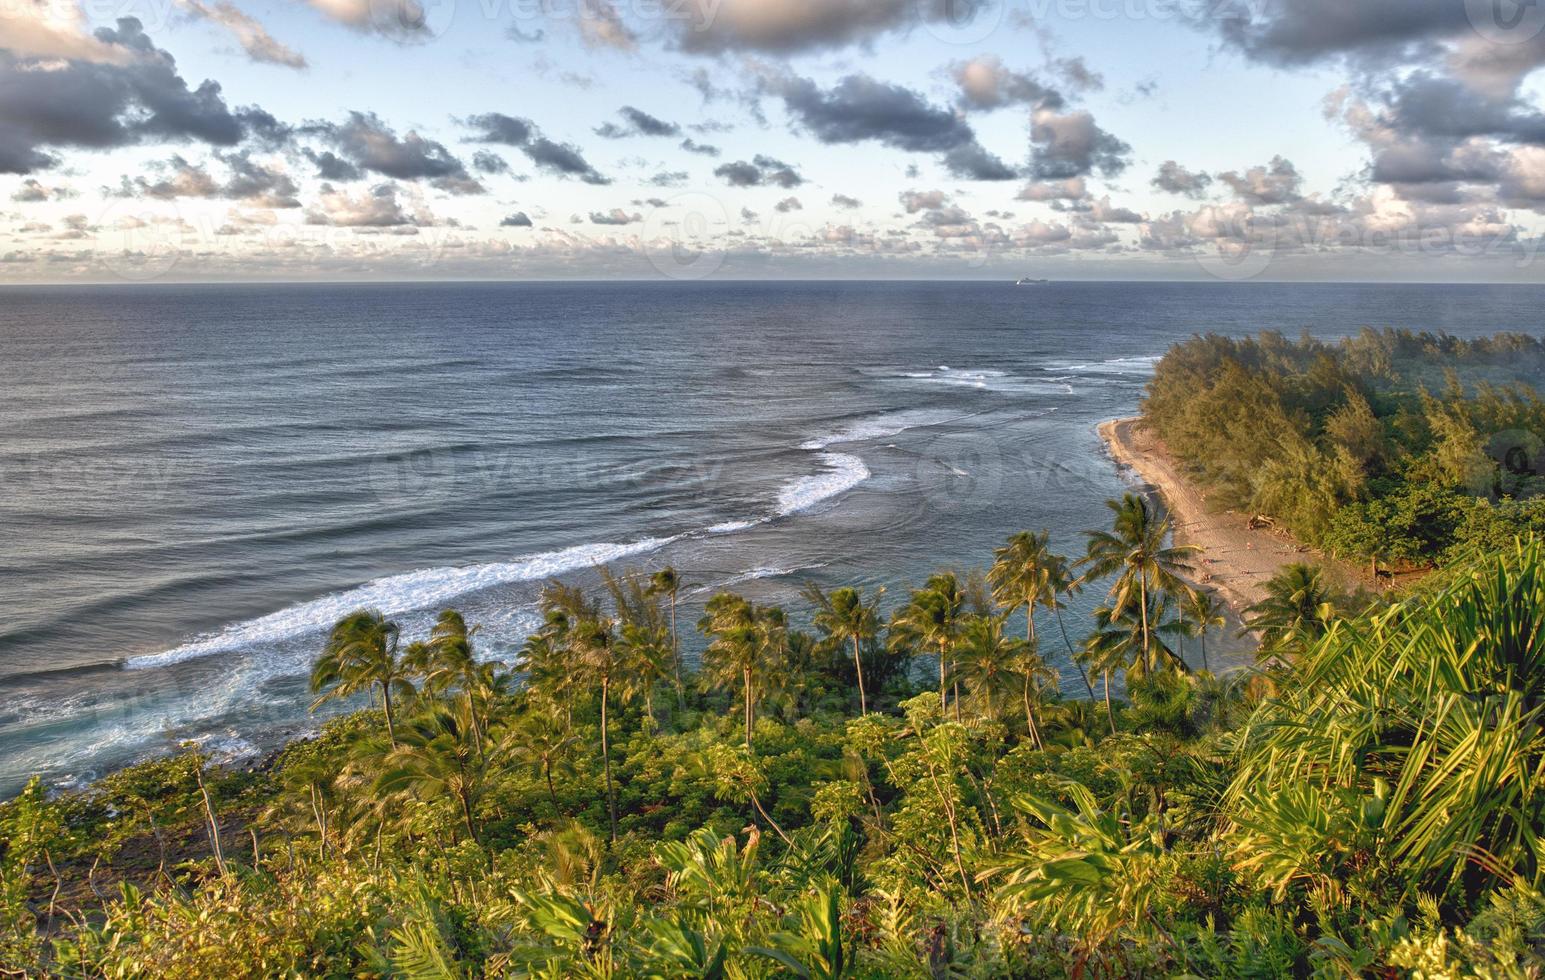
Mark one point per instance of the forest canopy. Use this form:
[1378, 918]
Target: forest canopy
[1399, 448]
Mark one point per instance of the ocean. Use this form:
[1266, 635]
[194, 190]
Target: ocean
[198, 480]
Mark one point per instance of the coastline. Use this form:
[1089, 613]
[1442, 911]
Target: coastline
[1235, 559]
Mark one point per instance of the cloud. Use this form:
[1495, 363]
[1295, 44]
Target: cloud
[705, 149]
[330, 166]
[669, 178]
[485, 162]
[788, 204]
[255, 183]
[1075, 71]
[251, 35]
[496, 127]
[517, 220]
[970, 161]
[1175, 179]
[760, 170]
[915, 201]
[398, 20]
[860, 108]
[1073, 145]
[370, 144]
[637, 122]
[787, 26]
[986, 84]
[377, 208]
[844, 201]
[102, 105]
[1275, 183]
[616, 216]
[562, 159]
[1071, 189]
[600, 26]
[55, 29]
[33, 191]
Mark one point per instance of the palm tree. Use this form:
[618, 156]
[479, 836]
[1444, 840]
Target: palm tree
[996, 666]
[593, 645]
[1299, 607]
[1135, 552]
[931, 620]
[646, 655]
[447, 661]
[845, 617]
[1022, 574]
[437, 758]
[1204, 611]
[361, 653]
[747, 645]
[667, 582]
[540, 742]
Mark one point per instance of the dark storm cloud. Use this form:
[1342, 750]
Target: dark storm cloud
[517, 220]
[637, 122]
[1428, 105]
[101, 106]
[971, 162]
[861, 108]
[370, 144]
[1295, 32]
[496, 127]
[485, 162]
[1072, 145]
[1175, 179]
[760, 170]
[562, 159]
[331, 166]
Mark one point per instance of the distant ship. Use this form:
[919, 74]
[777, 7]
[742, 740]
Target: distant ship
[1027, 281]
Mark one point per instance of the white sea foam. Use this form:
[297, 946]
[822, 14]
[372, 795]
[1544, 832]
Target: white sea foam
[1142, 365]
[730, 527]
[986, 379]
[879, 427]
[395, 594]
[843, 472]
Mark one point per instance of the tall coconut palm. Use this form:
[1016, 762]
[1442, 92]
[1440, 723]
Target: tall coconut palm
[1022, 574]
[1298, 609]
[997, 667]
[448, 662]
[541, 742]
[438, 757]
[1204, 611]
[646, 656]
[667, 582]
[360, 655]
[1136, 552]
[593, 645]
[747, 645]
[845, 617]
[932, 620]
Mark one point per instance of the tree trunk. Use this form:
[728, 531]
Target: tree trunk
[1203, 637]
[209, 812]
[1035, 733]
[1110, 713]
[1142, 590]
[944, 689]
[386, 700]
[858, 666]
[676, 657]
[746, 687]
[606, 759]
[466, 816]
[547, 770]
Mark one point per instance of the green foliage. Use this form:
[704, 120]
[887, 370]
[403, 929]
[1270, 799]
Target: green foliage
[1344, 444]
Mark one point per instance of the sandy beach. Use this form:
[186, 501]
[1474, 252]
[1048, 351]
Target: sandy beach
[1236, 559]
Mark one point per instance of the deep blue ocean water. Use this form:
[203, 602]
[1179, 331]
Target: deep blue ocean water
[195, 481]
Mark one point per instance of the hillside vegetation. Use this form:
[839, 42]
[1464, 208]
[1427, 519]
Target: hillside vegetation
[876, 795]
[1405, 450]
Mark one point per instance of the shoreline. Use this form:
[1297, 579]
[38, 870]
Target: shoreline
[1235, 559]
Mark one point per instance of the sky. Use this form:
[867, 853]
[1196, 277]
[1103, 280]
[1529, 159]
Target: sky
[218, 140]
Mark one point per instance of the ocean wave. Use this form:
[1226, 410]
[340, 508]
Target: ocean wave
[395, 594]
[880, 427]
[987, 379]
[1140, 365]
[843, 473]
